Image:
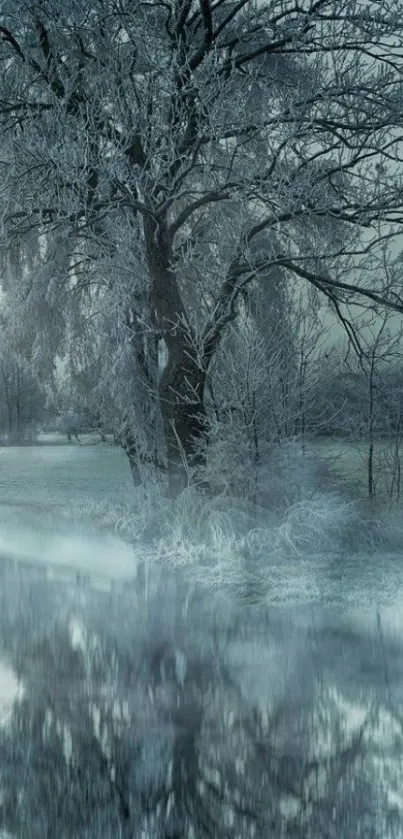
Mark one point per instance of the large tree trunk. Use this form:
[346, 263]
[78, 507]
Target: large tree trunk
[181, 394]
[181, 387]
[141, 435]
[145, 467]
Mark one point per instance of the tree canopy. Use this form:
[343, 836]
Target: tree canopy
[161, 159]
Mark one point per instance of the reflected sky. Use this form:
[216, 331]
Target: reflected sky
[10, 691]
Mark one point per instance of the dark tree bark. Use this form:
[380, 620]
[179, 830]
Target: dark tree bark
[182, 384]
[181, 395]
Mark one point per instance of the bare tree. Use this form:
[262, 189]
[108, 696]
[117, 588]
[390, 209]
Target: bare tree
[168, 154]
[375, 425]
[262, 387]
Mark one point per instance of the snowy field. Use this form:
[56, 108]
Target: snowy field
[41, 487]
[65, 505]
[57, 475]
[330, 636]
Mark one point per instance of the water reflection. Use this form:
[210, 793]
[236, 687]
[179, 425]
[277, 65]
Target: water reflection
[10, 691]
[182, 713]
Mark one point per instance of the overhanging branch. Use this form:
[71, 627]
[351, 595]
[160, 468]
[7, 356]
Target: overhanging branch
[323, 282]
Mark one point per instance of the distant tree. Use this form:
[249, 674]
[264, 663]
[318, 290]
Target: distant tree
[167, 155]
[75, 408]
[376, 378]
[22, 400]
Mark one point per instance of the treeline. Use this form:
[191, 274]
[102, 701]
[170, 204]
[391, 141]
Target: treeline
[347, 404]
[23, 406]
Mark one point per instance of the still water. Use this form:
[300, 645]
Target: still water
[316, 674]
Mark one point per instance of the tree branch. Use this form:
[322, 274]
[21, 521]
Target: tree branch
[8, 38]
[322, 282]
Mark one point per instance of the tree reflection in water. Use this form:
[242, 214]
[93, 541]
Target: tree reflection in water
[181, 714]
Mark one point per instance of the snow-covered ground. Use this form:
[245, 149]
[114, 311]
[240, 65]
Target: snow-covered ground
[56, 475]
[48, 495]
[39, 486]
